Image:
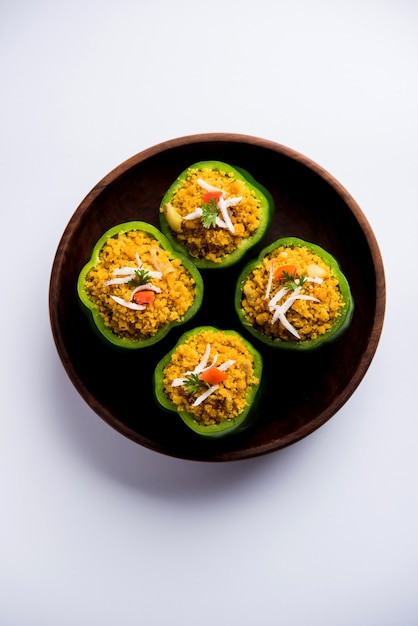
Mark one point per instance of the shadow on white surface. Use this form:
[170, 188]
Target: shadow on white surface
[105, 451]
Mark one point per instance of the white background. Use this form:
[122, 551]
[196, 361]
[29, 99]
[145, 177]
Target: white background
[96, 530]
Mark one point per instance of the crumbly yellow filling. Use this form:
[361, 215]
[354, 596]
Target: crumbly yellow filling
[214, 243]
[230, 399]
[309, 318]
[176, 284]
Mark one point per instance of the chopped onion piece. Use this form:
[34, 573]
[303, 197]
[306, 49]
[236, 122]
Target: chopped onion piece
[155, 260]
[163, 267]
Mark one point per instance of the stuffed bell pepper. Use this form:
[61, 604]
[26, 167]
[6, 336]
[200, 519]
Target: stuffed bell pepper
[135, 288]
[215, 213]
[294, 296]
[211, 378]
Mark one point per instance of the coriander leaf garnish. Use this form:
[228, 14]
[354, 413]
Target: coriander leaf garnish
[291, 282]
[141, 278]
[209, 213]
[193, 384]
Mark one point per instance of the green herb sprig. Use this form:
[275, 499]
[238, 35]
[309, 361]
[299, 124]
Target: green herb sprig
[193, 384]
[141, 278]
[292, 282]
[209, 213]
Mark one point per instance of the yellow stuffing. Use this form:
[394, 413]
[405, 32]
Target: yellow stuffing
[214, 243]
[176, 284]
[230, 399]
[310, 319]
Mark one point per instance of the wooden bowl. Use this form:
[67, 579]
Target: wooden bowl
[301, 391]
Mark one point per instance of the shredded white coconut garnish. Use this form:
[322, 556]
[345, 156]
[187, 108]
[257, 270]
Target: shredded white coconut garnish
[125, 275]
[279, 310]
[201, 367]
[223, 205]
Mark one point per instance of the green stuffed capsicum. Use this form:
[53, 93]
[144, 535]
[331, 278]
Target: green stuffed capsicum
[294, 296]
[135, 287]
[215, 213]
[211, 378]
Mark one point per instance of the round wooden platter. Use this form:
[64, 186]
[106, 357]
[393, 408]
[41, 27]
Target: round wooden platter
[300, 391]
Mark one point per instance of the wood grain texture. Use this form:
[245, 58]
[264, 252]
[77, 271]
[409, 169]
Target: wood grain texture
[310, 204]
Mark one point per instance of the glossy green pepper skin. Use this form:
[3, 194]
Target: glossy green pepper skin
[340, 324]
[229, 426]
[94, 314]
[266, 211]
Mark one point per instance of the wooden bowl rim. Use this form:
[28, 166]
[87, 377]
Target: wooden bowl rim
[144, 155]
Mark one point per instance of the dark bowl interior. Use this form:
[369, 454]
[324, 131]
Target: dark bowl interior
[301, 391]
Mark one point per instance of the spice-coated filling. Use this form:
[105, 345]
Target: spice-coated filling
[209, 376]
[292, 295]
[138, 287]
[212, 224]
